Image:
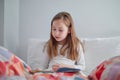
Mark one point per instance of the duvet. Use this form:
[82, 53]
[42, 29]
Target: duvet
[13, 68]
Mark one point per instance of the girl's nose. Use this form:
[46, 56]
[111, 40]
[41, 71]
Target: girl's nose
[56, 32]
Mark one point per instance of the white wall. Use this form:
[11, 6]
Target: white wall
[11, 25]
[92, 18]
[1, 22]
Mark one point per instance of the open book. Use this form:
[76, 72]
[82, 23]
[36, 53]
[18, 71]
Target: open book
[63, 69]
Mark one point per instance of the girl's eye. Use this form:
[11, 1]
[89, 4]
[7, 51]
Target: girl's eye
[61, 30]
[54, 29]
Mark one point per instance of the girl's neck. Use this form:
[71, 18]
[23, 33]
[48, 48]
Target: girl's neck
[62, 42]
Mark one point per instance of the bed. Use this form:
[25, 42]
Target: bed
[100, 54]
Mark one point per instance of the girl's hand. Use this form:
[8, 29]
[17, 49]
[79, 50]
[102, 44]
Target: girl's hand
[55, 67]
[34, 71]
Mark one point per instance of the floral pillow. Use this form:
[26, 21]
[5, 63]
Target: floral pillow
[11, 64]
[107, 70]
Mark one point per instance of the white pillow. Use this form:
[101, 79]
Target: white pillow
[99, 49]
[36, 58]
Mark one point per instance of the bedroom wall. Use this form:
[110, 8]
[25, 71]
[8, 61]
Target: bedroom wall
[11, 25]
[1, 22]
[92, 19]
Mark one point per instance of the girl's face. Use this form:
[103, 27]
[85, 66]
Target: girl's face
[60, 31]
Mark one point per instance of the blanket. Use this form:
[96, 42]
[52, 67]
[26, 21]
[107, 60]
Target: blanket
[107, 70]
[12, 66]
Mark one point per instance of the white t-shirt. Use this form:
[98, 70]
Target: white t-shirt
[79, 63]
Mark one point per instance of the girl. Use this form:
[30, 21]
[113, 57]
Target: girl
[64, 48]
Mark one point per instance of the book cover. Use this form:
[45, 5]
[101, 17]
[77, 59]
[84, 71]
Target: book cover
[66, 69]
[63, 69]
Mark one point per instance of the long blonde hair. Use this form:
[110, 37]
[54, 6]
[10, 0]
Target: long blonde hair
[72, 42]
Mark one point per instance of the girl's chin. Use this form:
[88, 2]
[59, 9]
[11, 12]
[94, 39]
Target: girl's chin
[58, 40]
